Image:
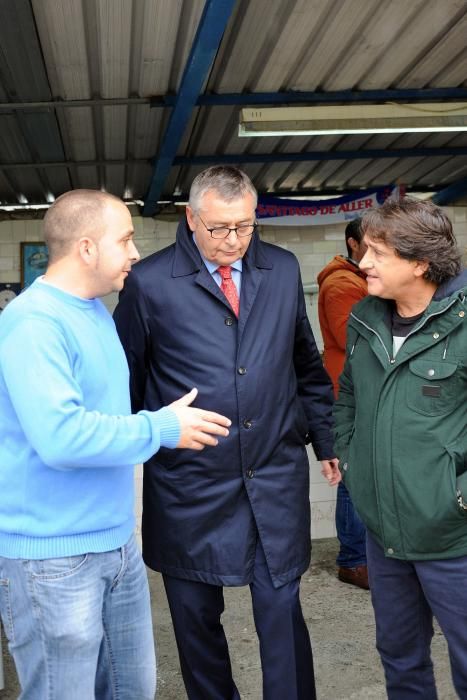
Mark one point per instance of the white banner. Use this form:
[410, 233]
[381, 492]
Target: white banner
[300, 212]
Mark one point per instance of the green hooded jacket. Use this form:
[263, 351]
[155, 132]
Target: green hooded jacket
[401, 426]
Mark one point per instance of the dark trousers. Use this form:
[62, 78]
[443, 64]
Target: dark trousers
[285, 648]
[351, 531]
[405, 596]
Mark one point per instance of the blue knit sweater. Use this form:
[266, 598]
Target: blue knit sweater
[67, 440]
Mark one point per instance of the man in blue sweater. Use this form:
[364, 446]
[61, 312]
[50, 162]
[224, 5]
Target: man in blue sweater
[74, 598]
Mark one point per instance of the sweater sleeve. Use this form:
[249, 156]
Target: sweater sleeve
[49, 405]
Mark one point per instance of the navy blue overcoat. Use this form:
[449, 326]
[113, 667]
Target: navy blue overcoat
[203, 511]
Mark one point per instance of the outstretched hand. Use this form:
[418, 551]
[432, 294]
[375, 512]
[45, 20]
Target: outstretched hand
[197, 426]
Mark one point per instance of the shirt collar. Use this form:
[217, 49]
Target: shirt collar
[212, 266]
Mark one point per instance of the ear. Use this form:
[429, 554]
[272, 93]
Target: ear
[420, 267]
[353, 245]
[190, 217]
[87, 250]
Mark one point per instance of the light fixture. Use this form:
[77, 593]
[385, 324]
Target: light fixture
[23, 207]
[353, 119]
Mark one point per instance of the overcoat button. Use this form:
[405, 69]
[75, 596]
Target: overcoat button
[241, 370]
[250, 473]
[247, 424]
[462, 314]
[431, 372]
[229, 321]
[390, 550]
[345, 466]
[436, 335]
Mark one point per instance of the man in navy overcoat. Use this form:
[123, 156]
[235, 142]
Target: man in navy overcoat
[222, 311]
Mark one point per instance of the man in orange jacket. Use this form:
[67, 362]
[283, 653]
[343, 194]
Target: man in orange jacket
[341, 285]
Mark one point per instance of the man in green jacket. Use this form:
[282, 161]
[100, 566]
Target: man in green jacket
[401, 437]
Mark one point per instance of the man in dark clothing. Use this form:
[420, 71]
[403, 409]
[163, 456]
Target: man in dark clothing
[225, 312]
[401, 419]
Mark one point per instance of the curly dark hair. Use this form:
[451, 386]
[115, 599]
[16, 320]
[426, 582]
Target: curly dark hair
[417, 230]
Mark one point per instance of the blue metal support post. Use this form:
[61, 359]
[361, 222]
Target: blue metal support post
[211, 28]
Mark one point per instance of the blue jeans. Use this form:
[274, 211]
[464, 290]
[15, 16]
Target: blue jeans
[405, 596]
[80, 627]
[350, 531]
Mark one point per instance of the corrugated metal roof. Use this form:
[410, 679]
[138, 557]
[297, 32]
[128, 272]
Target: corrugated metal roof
[104, 51]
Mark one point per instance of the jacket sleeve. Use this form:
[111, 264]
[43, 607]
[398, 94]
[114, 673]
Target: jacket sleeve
[131, 321]
[338, 302]
[314, 386]
[344, 408]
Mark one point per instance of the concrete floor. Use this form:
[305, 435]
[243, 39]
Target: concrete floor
[341, 622]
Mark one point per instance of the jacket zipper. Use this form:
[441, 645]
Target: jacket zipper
[392, 361]
[372, 330]
[414, 330]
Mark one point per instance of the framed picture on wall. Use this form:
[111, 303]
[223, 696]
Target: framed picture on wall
[34, 259]
[8, 291]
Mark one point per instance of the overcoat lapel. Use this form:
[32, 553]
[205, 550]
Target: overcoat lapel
[255, 263]
[205, 280]
[251, 282]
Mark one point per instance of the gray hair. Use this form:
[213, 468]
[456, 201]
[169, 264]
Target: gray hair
[228, 182]
[416, 230]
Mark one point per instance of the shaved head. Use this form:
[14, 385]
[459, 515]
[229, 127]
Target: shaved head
[75, 214]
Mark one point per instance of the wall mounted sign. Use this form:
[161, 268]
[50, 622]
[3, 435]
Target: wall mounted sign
[34, 260]
[273, 211]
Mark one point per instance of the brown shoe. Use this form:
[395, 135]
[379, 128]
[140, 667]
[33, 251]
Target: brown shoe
[358, 576]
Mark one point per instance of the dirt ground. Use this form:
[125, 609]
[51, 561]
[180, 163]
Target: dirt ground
[341, 623]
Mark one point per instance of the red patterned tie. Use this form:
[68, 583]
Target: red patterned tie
[229, 288]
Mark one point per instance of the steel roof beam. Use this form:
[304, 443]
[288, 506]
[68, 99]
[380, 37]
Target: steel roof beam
[76, 163]
[234, 159]
[237, 158]
[254, 98]
[64, 104]
[209, 34]
[299, 97]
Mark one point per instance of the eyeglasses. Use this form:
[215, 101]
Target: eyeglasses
[224, 231]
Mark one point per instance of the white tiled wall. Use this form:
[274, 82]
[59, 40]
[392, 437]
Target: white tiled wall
[314, 247]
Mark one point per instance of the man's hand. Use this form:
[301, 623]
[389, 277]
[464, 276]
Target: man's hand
[330, 471]
[197, 426]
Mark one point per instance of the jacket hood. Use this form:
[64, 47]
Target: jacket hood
[451, 286]
[375, 308]
[338, 264]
